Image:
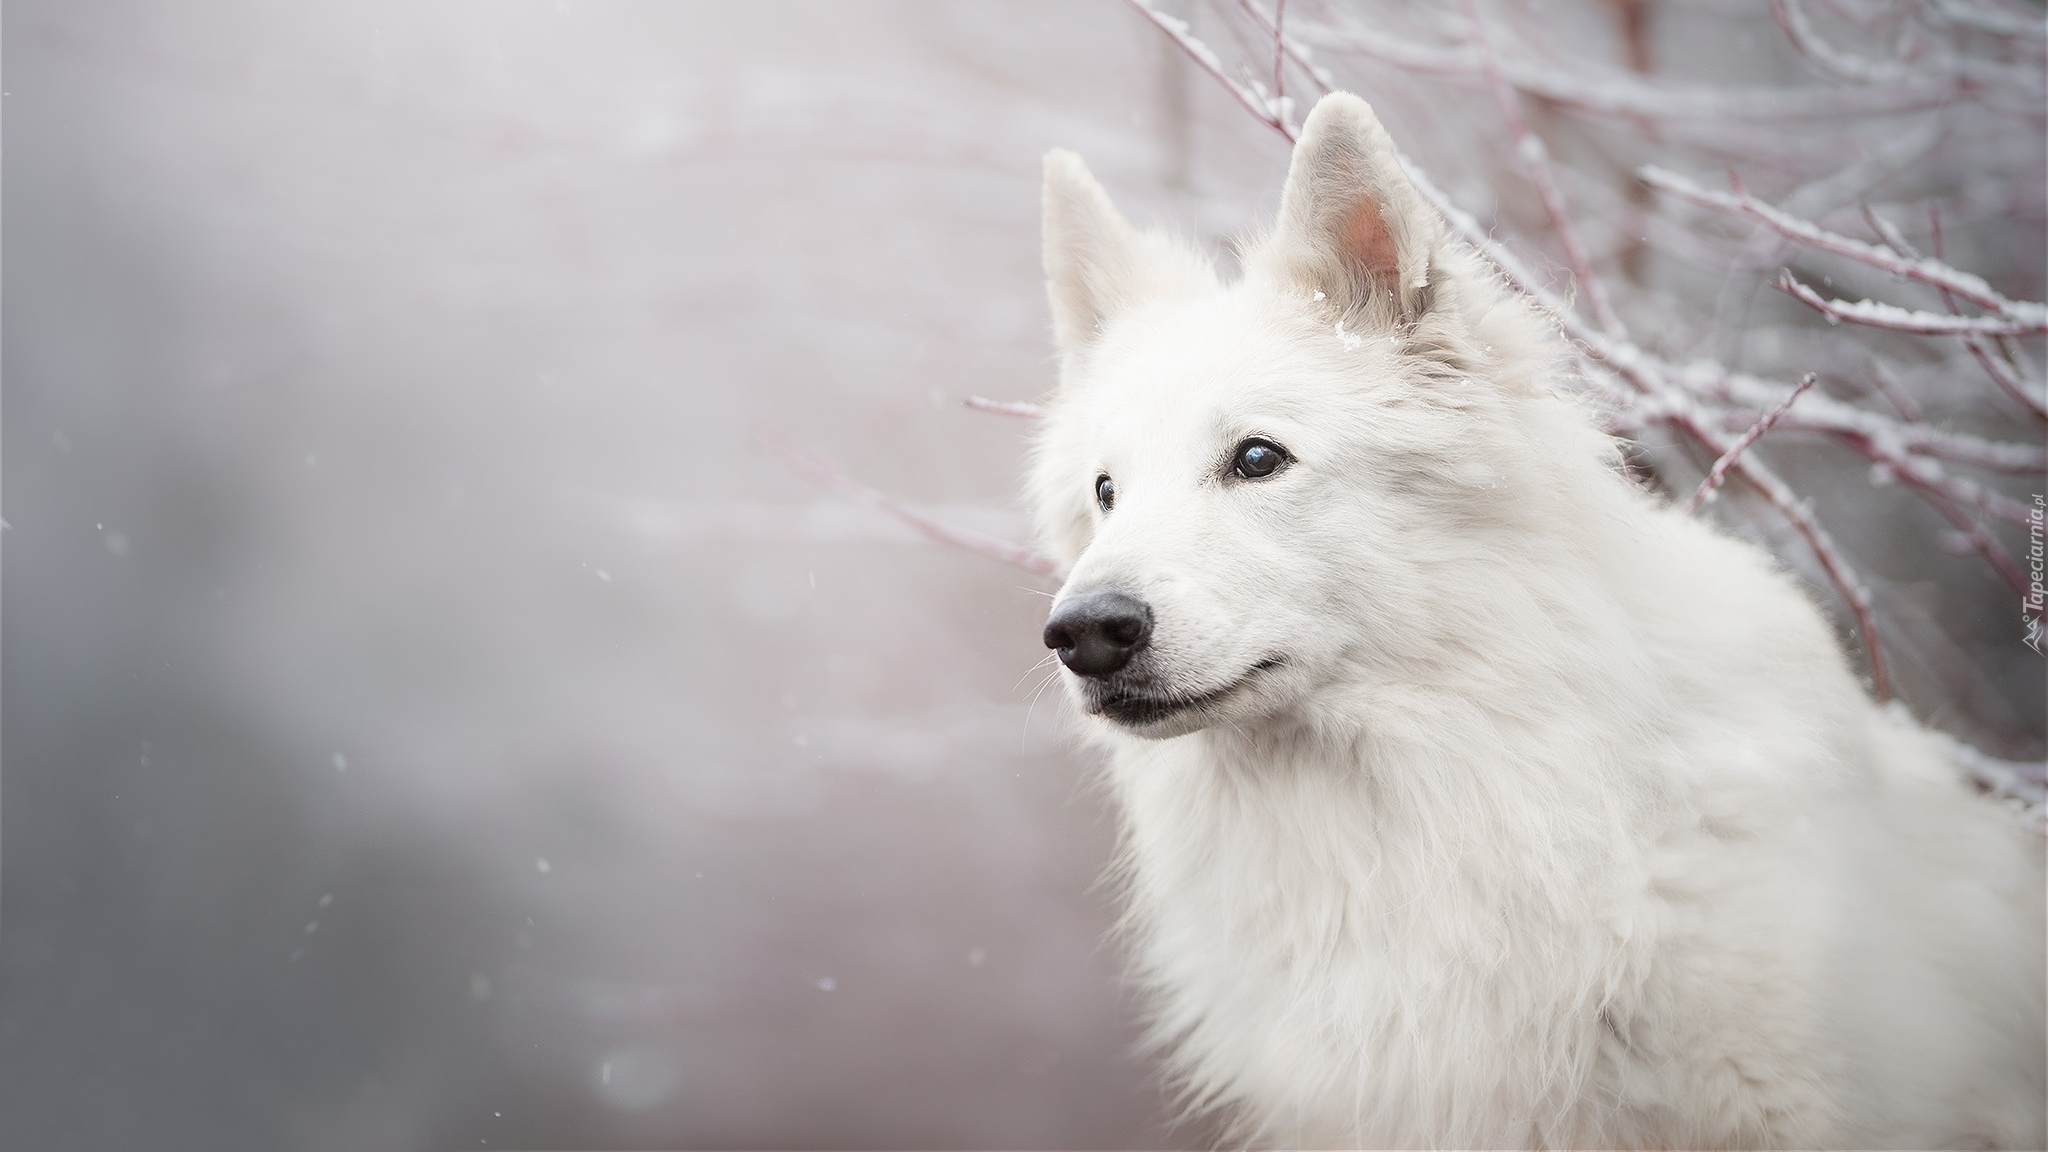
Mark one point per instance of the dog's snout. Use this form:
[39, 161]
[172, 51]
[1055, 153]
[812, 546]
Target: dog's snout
[1097, 633]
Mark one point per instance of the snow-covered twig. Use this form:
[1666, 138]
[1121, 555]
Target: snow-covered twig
[1719, 472]
[1714, 382]
[2026, 315]
[1924, 474]
[1994, 360]
[1878, 314]
[1903, 448]
[1888, 232]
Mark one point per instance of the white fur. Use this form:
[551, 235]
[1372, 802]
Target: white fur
[1564, 821]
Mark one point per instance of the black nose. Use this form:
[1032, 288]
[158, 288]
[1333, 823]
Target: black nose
[1097, 632]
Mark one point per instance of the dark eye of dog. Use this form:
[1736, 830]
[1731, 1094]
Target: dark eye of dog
[1258, 459]
[1105, 492]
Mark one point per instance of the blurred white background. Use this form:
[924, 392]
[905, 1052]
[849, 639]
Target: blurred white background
[433, 719]
[384, 385]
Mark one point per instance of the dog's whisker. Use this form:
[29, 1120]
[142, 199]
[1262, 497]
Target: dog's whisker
[1049, 658]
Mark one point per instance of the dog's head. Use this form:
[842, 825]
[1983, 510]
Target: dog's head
[1265, 490]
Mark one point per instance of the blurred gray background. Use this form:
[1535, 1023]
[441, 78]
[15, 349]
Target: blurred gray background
[434, 719]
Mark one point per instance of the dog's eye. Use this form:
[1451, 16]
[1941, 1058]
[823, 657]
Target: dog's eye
[1258, 459]
[1105, 492]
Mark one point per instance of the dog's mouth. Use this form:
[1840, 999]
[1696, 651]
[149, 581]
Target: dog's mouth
[1138, 709]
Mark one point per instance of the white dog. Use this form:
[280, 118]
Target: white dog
[1472, 795]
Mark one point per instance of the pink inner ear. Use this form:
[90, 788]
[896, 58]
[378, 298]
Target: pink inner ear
[1366, 242]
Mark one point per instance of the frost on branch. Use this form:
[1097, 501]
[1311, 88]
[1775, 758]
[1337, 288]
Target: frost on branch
[1715, 201]
[1568, 129]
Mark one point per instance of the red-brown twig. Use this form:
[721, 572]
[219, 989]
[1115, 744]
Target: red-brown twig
[1993, 361]
[1907, 407]
[2002, 375]
[1719, 472]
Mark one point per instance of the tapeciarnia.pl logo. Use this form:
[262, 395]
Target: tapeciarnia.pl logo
[2030, 609]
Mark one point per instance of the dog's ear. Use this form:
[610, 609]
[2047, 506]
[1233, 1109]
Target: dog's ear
[1088, 253]
[1096, 264]
[1351, 225]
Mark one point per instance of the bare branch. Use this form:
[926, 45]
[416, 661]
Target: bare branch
[1888, 384]
[1972, 71]
[1878, 314]
[1889, 233]
[1268, 112]
[1982, 542]
[1926, 474]
[1295, 49]
[2008, 381]
[2028, 315]
[825, 475]
[1996, 361]
[1833, 418]
[1627, 96]
[1018, 408]
[1719, 472]
[1799, 513]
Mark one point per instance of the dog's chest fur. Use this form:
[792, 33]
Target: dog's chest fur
[1316, 942]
